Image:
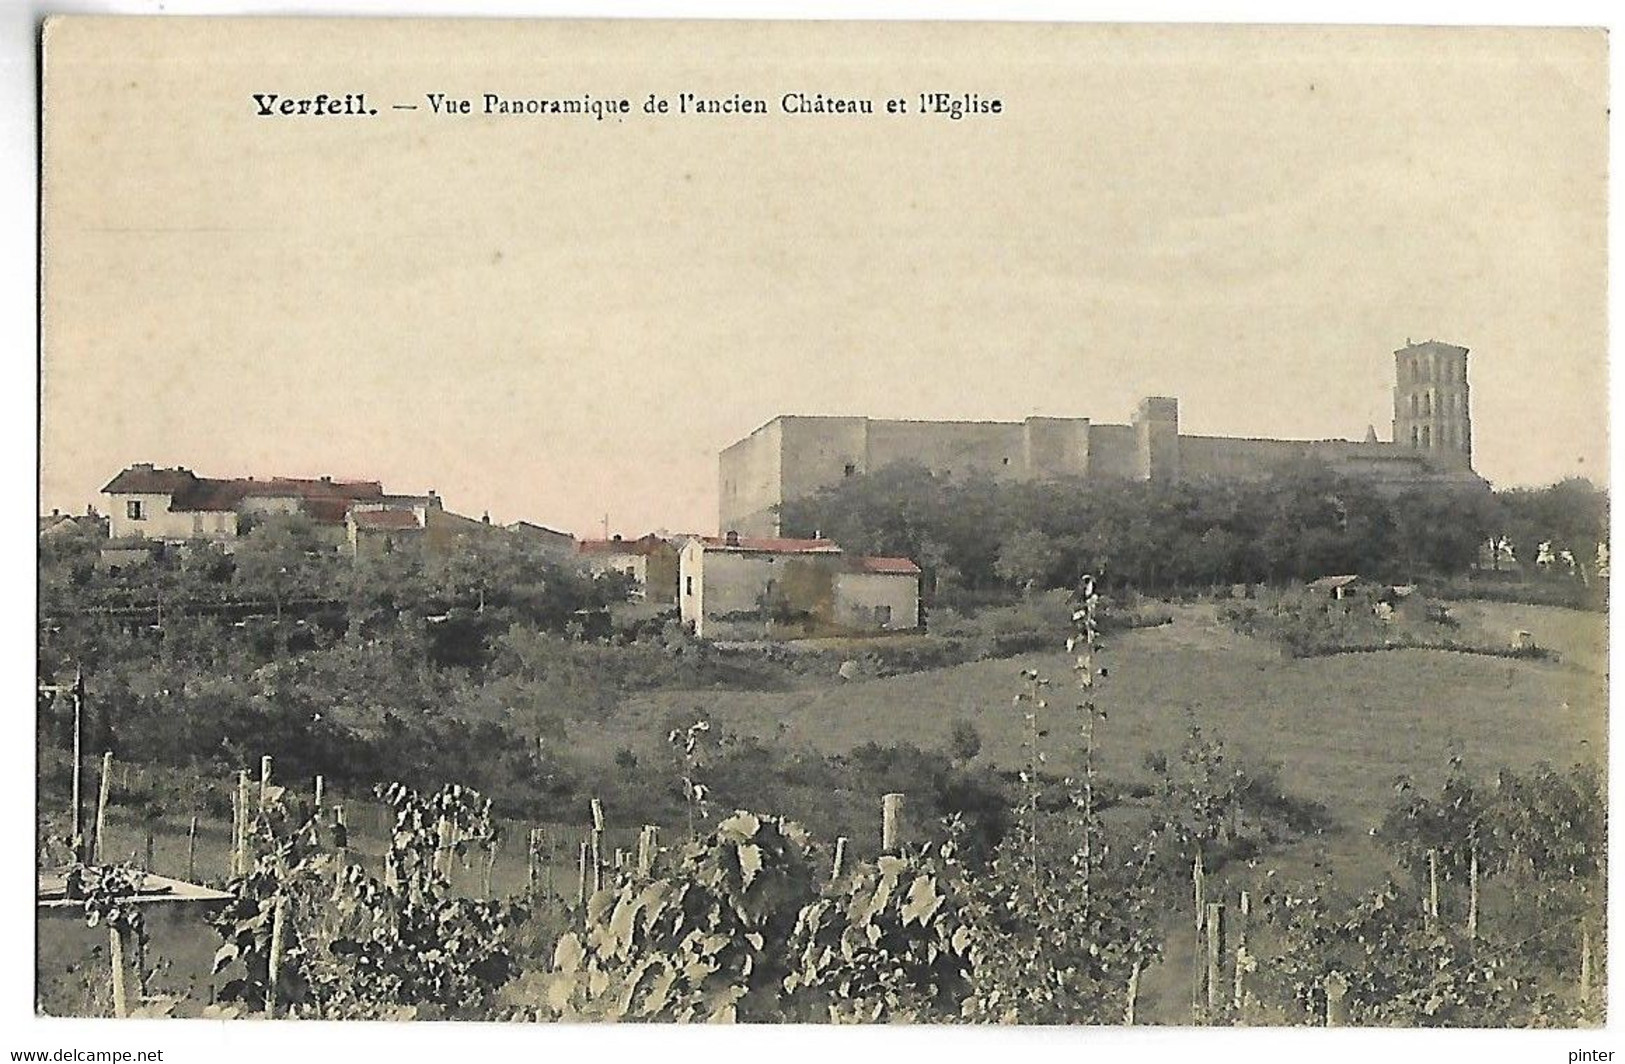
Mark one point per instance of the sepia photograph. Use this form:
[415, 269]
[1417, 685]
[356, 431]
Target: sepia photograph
[995, 523]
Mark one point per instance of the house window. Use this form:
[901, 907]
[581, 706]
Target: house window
[688, 585]
[883, 616]
[135, 510]
[851, 467]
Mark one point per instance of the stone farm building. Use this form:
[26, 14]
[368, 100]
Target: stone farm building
[735, 587]
[650, 561]
[792, 457]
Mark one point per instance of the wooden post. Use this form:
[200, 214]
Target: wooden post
[1243, 911]
[149, 849]
[581, 885]
[646, 850]
[101, 808]
[1215, 954]
[839, 868]
[442, 847]
[1133, 993]
[530, 861]
[1198, 966]
[1337, 1009]
[265, 781]
[490, 866]
[596, 849]
[115, 949]
[1472, 894]
[191, 851]
[1433, 885]
[597, 815]
[279, 913]
[243, 822]
[79, 851]
[1199, 886]
[320, 788]
[891, 815]
[1585, 961]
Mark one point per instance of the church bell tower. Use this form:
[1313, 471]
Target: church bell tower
[1432, 414]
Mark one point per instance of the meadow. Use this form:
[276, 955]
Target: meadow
[1334, 732]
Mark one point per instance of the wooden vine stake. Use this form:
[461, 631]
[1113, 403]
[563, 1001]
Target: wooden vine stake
[595, 849]
[891, 815]
[646, 850]
[1433, 885]
[530, 861]
[490, 866]
[1215, 954]
[341, 841]
[265, 782]
[839, 867]
[320, 791]
[101, 808]
[1472, 893]
[1585, 961]
[148, 850]
[581, 884]
[442, 846]
[1199, 887]
[191, 850]
[1337, 1009]
[115, 951]
[240, 843]
[1133, 993]
[1243, 912]
[279, 917]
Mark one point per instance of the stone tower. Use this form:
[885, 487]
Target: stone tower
[1431, 409]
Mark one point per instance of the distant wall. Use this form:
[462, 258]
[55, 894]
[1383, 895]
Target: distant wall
[1113, 452]
[820, 451]
[1222, 456]
[157, 522]
[881, 601]
[995, 449]
[1056, 446]
[750, 482]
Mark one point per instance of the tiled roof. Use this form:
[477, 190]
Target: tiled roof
[899, 566]
[385, 519]
[325, 500]
[772, 546]
[145, 480]
[644, 545]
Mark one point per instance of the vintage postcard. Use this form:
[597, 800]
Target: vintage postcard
[789, 522]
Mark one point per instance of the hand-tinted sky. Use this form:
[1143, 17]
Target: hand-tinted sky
[557, 319]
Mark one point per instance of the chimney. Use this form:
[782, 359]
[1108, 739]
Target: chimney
[616, 537]
[485, 518]
[327, 480]
[732, 538]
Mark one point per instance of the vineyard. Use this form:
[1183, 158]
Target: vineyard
[1082, 905]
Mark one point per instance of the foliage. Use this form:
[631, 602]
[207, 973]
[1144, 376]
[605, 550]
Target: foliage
[706, 940]
[344, 945]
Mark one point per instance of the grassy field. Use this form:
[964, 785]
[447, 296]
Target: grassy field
[1341, 727]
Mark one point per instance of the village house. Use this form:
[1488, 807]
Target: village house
[651, 562]
[148, 506]
[750, 588]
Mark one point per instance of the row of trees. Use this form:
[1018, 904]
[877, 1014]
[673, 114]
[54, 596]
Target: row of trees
[1304, 522]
